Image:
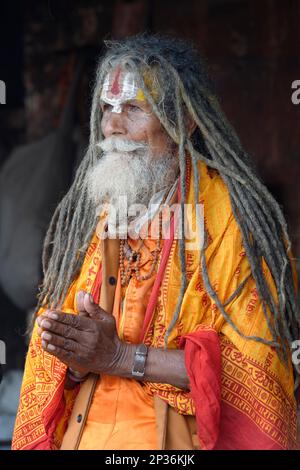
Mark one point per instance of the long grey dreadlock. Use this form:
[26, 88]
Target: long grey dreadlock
[184, 89]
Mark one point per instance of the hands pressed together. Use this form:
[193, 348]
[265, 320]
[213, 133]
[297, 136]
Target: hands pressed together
[87, 342]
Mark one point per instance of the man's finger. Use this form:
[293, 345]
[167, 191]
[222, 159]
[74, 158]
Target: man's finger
[63, 355]
[75, 321]
[92, 308]
[65, 331]
[52, 327]
[58, 341]
[41, 317]
[80, 303]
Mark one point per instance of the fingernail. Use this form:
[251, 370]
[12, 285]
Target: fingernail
[46, 336]
[51, 347]
[44, 345]
[52, 315]
[46, 324]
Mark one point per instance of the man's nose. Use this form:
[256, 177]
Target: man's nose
[114, 125]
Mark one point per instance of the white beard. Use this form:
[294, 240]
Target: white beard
[126, 169]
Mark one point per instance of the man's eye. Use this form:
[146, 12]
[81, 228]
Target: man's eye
[133, 107]
[106, 107]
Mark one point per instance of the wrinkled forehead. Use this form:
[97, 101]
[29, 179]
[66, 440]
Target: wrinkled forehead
[120, 85]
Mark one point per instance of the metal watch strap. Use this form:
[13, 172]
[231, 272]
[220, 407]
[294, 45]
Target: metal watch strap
[139, 362]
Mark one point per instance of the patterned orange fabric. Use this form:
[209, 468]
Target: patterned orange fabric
[256, 387]
[254, 381]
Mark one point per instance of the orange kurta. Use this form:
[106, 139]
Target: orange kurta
[122, 413]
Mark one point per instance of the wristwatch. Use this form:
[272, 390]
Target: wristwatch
[139, 362]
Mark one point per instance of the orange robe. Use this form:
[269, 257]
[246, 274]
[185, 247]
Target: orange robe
[257, 389]
[122, 413]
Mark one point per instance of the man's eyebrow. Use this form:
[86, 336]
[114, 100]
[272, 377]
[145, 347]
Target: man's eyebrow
[138, 102]
[103, 101]
[132, 100]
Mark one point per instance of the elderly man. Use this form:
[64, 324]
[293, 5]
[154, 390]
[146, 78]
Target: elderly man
[159, 328]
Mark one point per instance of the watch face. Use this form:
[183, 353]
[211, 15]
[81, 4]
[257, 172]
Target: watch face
[138, 368]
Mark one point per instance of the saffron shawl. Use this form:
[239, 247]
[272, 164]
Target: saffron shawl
[241, 393]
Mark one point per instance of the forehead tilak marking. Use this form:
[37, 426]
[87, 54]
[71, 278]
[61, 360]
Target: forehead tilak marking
[115, 88]
[119, 86]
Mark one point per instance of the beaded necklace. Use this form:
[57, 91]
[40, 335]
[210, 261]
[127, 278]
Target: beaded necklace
[133, 268]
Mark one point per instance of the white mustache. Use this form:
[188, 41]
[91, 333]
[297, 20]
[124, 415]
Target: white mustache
[118, 144]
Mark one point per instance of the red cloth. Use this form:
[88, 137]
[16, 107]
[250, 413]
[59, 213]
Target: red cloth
[219, 424]
[203, 364]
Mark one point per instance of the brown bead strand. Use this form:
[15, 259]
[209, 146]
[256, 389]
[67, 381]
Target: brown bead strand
[133, 268]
